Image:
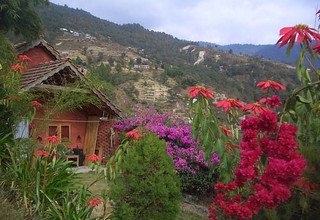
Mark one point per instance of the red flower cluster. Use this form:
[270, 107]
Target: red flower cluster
[36, 104]
[42, 153]
[94, 158]
[134, 134]
[24, 58]
[53, 139]
[270, 84]
[299, 33]
[273, 101]
[262, 136]
[227, 104]
[94, 202]
[196, 90]
[17, 68]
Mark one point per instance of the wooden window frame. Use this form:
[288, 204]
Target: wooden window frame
[59, 125]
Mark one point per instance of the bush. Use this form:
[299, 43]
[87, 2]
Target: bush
[148, 187]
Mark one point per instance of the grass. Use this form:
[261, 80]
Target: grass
[98, 187]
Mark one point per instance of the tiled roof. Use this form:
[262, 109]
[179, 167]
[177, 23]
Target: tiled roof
[40, 73]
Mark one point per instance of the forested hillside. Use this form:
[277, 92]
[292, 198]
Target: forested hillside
[231, 74]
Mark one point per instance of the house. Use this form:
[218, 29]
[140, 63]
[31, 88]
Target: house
[87, 128]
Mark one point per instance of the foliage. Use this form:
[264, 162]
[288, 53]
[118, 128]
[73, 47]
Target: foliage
[147, 187]
[21, 17]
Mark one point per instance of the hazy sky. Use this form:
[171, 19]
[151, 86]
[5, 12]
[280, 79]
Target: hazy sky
[216, 21]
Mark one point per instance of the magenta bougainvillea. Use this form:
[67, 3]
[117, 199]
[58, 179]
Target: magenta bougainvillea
[269, 167]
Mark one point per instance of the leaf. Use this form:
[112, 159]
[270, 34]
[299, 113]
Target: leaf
[303, 99]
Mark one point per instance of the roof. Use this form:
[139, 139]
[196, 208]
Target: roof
[35, 76]
[23, 47]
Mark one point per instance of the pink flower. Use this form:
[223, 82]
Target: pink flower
[134, 134]
[53, 139]
[270, 84]
[94, 202]
[196, 90]
[94, 158]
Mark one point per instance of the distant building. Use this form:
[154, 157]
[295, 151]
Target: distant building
[141, 67]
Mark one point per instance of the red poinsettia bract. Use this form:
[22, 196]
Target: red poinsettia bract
[24, 58]
[36, 104]
[17, 68]
[255, 108]
[299, 33]
[94, 202]
[227, 104]
[53, 139]
[273, 101]
[266, 85]
[263, 138]
[134, 134]
[42, 153]
[94, 158]
[196, 90]
[316, 48]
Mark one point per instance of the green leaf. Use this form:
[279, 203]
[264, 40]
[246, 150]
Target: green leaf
[303, 99]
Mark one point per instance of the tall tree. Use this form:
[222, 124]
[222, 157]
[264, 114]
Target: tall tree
[20, 17]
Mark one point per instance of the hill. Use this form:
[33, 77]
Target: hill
[175, 64]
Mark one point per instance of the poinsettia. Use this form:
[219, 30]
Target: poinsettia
[227, 104]
[266, 85]
[194, 91]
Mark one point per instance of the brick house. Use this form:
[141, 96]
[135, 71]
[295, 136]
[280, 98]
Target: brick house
[87, 128]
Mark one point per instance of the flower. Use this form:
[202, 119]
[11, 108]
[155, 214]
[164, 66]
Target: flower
[134, 134]
[270, 84]
[36, 104]
[53, 139]
[94, 158]
[195, 90]
[256, 108]
[24, 58]
[94, 202]
[226, 104]
[316, 48]
[299, 33]
[42, 153]
[17, 68]
[273, 101]
[226, 131]
[32, 126]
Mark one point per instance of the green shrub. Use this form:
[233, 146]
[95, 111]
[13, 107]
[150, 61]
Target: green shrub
[147, 187]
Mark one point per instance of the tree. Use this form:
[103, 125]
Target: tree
[20, 17]
[100, 56]
[138, 60]
[111, 61]
[118, 67]
[148, 187]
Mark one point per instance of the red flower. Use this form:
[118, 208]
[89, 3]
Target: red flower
[316, 48]
[270, 84]
[256, 108]
[226, 131]
[36, 104]
[226, 104]
[195, 90]
[273, 101]
[93, 158]
[134, 134]
[53, 139]
[42, 153]
[24, 58]
[17, 68]
[299, 33]
[94, 202]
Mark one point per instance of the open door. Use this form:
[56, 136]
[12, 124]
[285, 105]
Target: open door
[91, 136]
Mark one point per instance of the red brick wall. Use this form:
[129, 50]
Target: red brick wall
[104, 139]
[38, 55]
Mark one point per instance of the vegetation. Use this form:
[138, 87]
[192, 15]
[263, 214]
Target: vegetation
[147, 187]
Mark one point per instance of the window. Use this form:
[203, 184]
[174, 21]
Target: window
[61, 131]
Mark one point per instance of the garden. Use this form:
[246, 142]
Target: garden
[256, 160]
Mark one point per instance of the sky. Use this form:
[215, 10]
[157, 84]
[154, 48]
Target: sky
[217, 21]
